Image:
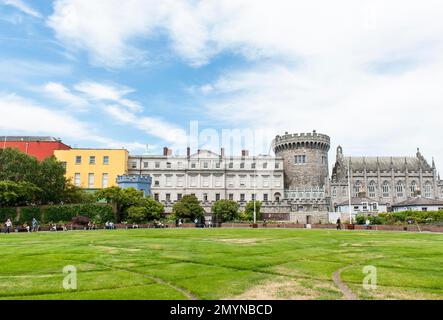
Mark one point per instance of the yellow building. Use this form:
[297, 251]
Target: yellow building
[93, 168]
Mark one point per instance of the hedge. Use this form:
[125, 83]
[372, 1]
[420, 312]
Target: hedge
[59, 213]
[98, 213]
[6, 213]
[28, 213]
[402, 217]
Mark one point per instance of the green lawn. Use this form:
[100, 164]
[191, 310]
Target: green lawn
[220, 264]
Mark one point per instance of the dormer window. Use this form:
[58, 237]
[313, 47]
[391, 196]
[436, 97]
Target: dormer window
[365, 206]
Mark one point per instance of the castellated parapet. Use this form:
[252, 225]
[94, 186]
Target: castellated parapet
[305, 158]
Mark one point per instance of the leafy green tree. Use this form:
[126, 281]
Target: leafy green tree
[74, 194]
[50, 178]
[120, 199]
[154, 209]
[226, 210]
[188, 208]
[17, 193]
[17, 166]
[249, 210]
[137, 214]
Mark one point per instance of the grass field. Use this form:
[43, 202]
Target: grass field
[220, 264]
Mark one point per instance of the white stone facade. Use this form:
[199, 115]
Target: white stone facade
[211, 177]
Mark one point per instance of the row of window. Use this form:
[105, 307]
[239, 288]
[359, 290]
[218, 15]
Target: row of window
[386, 189]
[217, 181]
[193, 165]
[92, 160]
[206, 198]
[91, 180]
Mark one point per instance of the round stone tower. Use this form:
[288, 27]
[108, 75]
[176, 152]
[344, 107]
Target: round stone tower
[305, 158]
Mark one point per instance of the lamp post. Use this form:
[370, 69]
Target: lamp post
[349, 191]
[255, 194]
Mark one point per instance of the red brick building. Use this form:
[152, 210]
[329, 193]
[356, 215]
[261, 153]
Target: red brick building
[39, 147]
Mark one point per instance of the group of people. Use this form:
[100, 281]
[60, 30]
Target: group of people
[109, 225]
[33, 228]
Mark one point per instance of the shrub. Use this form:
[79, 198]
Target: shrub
[6, 213]
[360, 219]
[28, 213]
[137, 214]
[225, 210]
[97, 213]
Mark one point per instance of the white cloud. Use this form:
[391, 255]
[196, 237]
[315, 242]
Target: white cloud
[98, 91]
[63, 94]
[22, 6]
[150, 125]
[23, 116]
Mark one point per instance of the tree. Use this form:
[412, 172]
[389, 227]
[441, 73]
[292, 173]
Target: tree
[225, 210]
[50, 177]
[17, 193]
[249, 210]
[137, 214]
[154, 209]
[17, 166]
[121, 199]
[188, 208]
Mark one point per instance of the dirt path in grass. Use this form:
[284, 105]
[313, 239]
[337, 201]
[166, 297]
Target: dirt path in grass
[349, 295]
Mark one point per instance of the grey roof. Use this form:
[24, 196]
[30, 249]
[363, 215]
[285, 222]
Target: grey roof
[28, 138]
[385, 163]
[419, 201]
[359, 200]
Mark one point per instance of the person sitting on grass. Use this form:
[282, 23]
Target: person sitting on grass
[53, 227]
[26, 227]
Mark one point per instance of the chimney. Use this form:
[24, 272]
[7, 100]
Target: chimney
[169, 152]
[165, 151]
[188, 152]
[222, 152]
[245, 153]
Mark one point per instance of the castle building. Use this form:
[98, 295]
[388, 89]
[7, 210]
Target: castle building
[389, 180]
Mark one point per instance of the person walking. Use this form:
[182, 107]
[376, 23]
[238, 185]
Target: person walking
[367, 223]
[8, 225]
[34, 225]
[338, 224]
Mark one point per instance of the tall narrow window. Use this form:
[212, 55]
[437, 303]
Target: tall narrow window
[90, 180]
[400, 189]
[78, 159]
[77, 179]
[104, 180]
[371, 189]
[105, 160]
[92, 160]
[428, 190]
[413, 188]
[386, 189]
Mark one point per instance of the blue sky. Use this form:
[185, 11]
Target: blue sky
[99, 73]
